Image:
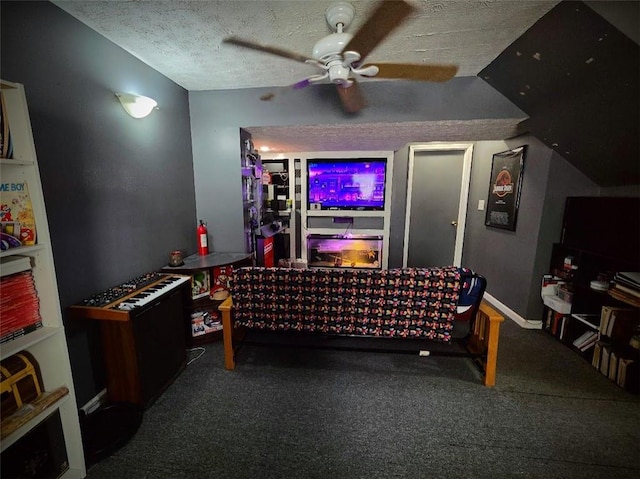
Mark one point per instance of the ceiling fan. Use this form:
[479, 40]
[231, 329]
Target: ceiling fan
[340, 56]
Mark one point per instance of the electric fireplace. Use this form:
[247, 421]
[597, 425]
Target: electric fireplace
[344, 251]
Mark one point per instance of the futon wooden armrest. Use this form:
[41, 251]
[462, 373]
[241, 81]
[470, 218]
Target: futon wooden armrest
[227, 333]
[486, 336]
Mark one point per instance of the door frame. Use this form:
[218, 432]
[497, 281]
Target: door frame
[467, 148]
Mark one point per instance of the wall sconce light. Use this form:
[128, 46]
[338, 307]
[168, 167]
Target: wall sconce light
[137, 106]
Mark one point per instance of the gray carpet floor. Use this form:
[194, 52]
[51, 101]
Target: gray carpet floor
[334, 414]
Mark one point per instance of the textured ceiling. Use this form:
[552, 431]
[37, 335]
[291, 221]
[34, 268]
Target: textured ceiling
[379, 136]
[182, 39]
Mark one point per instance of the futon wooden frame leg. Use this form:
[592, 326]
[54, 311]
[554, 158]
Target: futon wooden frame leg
[227, 333]
[485, 338]
[486, 335]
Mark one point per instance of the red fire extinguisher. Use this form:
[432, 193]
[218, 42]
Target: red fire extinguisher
[203, 245]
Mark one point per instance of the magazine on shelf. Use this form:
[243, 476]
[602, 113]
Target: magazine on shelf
[632, 278]
[205, 322]
[19, 305]
[220, 285]
[16, 215]
[14, 264]
[200, 281]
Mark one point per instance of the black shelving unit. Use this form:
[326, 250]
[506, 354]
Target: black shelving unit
[591, 253]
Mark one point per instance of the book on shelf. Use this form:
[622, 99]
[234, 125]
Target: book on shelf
[610, 315]
[200, 284]
[622, 288]
[19, 306]
[220, 284]
[588, 337]
[605, 355]
[597, 354]
[630, 278]
[205, 322]
[557, 323]
[628, 375]
[613, 366]
[16, 208]
[589, 344]
[562, 323]
[619, 324]
[20, 332]
[14, 264]
[624, 297]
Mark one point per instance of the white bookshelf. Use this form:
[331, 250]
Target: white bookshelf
[48, 344]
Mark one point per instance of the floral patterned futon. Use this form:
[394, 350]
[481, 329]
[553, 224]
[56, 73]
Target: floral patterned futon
[411, 302]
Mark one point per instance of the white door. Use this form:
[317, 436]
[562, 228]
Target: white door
[437, 194]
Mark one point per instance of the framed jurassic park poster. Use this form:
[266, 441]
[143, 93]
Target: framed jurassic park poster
[507, 168]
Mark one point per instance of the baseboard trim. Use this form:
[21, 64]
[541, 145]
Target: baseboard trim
[512, 315]
[95, 402]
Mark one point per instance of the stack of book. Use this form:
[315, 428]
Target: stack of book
[586, 341]
[615, 354]
[626, 287]
[19, 303]
[617, 365]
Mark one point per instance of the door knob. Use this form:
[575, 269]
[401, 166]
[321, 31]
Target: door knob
[454, 223]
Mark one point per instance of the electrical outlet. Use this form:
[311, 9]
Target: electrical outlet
[481, 205]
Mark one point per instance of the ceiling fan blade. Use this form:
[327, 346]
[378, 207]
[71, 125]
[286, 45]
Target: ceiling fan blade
[266, 48]
[279, 91]
[352, 98]
[409, 71]
[387, 16]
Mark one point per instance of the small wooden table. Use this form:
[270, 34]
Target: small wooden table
[208, 268]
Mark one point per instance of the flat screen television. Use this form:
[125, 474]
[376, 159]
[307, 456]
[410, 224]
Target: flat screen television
[346, 184]
[608, 226]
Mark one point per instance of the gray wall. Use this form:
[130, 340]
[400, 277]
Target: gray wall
[398, 206]
[506, 258]
[216, 117]
[119, 191]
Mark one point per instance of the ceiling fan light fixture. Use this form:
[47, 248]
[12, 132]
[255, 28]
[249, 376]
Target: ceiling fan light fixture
[339, 74]
[330, 45]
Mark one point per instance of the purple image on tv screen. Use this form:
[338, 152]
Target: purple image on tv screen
[357, 184]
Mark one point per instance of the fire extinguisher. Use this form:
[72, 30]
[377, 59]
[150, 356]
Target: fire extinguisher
[203, 246]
